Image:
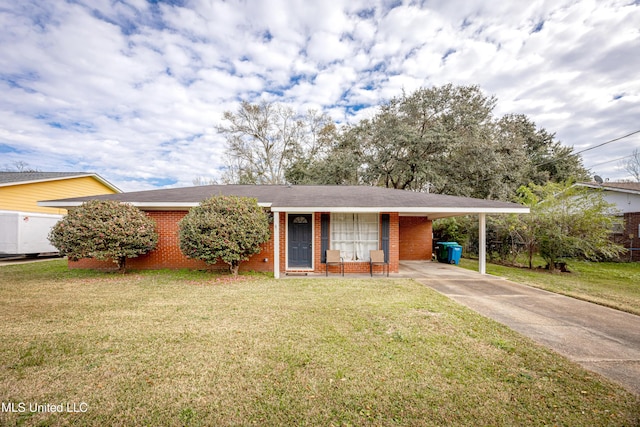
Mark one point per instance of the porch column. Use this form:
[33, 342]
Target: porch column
[276, 245]
[482, 244]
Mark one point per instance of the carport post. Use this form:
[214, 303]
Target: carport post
[482, 244]
[276, 245]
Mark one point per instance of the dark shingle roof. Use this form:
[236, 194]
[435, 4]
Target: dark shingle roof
[319, 197]
[631, 187]
[15, 177]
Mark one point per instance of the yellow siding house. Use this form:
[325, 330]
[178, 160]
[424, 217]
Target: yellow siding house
[21, 191]
[25, 226]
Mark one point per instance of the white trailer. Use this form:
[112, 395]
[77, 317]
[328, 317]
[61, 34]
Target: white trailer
[26, 233]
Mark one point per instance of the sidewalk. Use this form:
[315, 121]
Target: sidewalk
[23, 260]
[600, 339]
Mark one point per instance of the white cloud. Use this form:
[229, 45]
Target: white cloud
[324, 47]
[133, 90]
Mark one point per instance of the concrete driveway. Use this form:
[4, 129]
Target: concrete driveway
[23, 259]
[601, 339]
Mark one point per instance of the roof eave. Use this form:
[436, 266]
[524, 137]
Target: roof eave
[106, 183]
[311, 209]
[61, 178]
[148, 206]
[608, 188]
[407, 210]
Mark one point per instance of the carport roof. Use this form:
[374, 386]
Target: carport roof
[309, 198]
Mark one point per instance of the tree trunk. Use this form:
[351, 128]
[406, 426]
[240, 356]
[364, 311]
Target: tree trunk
[122, 264]
[234, 268]
[551, 266]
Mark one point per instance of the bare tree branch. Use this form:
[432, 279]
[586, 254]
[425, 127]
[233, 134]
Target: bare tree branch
[633, 165]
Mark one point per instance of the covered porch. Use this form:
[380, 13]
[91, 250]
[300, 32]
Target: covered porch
[404, 235]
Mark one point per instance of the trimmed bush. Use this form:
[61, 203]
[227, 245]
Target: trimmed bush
[104, 230]
[226, 228]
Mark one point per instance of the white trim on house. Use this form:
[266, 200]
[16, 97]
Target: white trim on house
[482, 243]
[405, 210]
[432, 212]
[605, 187]
[276, 245]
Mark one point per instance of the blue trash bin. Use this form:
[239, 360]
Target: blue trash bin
[442, 251]
[454, 252]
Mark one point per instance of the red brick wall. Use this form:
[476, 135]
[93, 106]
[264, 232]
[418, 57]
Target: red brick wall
[317, 245]
[168, 255]
[415, 238]
[632, 240]
[394, 242]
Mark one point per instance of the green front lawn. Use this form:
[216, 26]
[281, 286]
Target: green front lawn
[615, 285]
[193, 348]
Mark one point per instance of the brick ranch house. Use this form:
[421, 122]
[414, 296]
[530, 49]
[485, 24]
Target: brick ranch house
[625, 196]
[308, 220]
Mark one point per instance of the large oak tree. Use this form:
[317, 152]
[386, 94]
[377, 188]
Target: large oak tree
[441, 139]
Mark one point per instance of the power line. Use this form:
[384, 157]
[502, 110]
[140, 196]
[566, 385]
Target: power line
[587, 149]
[608, 142]
[610, 161]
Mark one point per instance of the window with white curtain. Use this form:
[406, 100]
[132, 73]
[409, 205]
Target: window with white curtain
[354, 234]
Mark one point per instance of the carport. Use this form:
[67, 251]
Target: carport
[482, 225]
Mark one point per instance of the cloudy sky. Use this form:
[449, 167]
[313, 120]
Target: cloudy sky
[133, 89]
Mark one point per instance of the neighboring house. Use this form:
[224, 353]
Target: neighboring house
[24, 225]
[626, 198]
[307, 221]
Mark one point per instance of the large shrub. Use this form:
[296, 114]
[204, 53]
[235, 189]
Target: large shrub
[104, 230]
[566, 222]
[228, 228]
